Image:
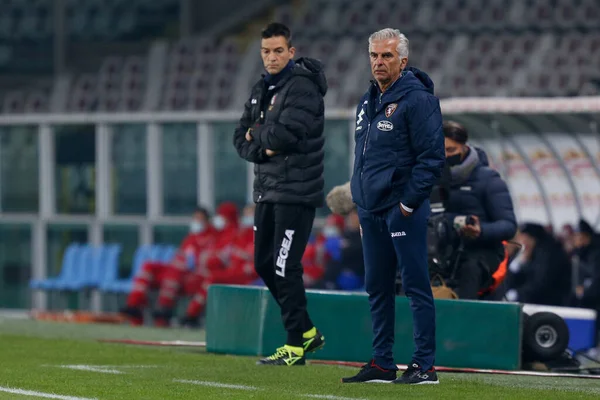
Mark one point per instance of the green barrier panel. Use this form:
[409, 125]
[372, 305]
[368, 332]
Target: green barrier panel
[245, 320]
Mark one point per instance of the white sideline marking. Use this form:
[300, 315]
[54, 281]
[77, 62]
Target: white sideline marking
[103, 369]
[329, 397]
[125, 366]
[216, 384]
[243, 387]
[93, 368]
[41, 394]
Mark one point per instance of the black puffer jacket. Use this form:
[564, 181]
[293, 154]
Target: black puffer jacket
[288, 119]
[476, 189]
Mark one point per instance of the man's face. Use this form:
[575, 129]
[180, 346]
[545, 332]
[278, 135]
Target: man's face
[386, 64]
[200, 217]
[276, 54]
[198, 223]
[453, 148]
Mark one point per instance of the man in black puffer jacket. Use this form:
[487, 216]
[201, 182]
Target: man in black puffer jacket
[281, 132]
[479, 192]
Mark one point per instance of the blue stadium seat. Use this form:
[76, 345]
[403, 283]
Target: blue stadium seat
[68, 269]
[156, 253]
[168, 253]
[110, 262]
[92, 272]
[143, 254]
[83, 265]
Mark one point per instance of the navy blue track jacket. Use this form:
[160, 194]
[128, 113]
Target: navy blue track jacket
[399, 152]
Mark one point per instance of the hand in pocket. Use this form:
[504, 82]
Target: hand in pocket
[405, 212]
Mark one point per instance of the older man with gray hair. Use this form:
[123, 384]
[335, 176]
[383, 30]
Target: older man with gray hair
[399, 157]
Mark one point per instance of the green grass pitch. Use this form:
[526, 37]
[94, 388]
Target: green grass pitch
[65, 361]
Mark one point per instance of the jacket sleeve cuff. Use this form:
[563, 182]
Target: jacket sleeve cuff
[407, 209]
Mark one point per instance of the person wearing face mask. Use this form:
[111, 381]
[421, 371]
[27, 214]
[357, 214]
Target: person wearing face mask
[316, 254]
[169, 277]
[226, 223]
[345, 269]
[234, 266]
[480, 208]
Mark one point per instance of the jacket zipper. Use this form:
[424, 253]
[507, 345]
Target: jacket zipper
[262, 120]
[364, 152]
[362, 168]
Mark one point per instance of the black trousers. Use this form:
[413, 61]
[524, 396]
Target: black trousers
[475, 272]
[281, 233]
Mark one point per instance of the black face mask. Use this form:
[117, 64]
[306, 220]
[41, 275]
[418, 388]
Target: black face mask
[454, 160]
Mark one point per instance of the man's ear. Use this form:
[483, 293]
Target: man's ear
[292, 52]
[403, 63]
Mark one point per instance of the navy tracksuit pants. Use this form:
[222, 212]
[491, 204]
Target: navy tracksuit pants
[390, 240]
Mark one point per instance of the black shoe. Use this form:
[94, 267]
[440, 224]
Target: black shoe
[283, 356]
[372, 373]
[415, 376]
[314, 343]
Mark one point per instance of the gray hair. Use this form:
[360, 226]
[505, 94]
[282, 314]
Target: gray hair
[389, 33]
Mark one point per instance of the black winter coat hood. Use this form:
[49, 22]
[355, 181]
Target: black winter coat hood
[314, 70]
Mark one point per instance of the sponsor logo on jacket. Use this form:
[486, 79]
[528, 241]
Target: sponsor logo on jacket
[385, 126]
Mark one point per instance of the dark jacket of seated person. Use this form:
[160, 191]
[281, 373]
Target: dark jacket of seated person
[476, 191]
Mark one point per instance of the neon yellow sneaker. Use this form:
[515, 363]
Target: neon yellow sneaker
[286, 355]
[314, 343]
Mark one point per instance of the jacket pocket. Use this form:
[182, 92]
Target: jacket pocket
[377, 186]
[286, 168]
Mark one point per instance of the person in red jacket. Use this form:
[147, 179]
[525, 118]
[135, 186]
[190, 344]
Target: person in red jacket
[167, 277]
[227, 224]
[315, 256]
[209, 257]
[236, 267]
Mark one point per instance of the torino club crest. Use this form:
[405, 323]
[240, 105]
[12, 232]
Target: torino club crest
[390, 109]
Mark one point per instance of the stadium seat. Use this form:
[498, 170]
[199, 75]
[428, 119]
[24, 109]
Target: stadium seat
[67, 272]
[83, 267]
[108, 265]
[143, 254]
[168, 253]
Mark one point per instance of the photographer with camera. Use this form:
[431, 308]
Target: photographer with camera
[480, 208]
